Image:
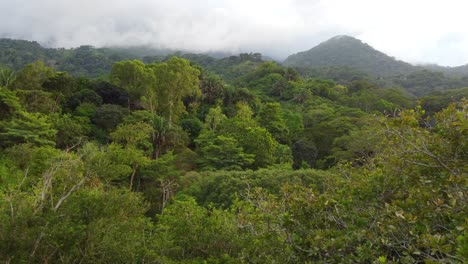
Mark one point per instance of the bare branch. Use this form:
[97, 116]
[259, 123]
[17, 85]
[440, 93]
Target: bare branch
[72, 190]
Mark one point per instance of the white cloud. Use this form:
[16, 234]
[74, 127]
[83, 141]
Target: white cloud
[415, 31]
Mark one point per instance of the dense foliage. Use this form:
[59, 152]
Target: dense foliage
[234, 160]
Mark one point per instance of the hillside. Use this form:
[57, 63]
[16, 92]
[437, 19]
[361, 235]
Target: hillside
[459, 70]
[345, 59]
[82, 61]
[349, 51]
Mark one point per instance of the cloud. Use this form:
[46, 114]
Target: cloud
[416, 31]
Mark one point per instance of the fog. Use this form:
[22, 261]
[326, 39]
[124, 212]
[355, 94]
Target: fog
[416, 31]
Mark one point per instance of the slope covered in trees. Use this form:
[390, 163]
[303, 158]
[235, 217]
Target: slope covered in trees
[458, 70]
[351, 52]
[82, 61]
[232, 160]
[345, 59]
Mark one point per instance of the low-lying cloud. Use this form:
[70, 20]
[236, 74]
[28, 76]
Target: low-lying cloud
[415, 31]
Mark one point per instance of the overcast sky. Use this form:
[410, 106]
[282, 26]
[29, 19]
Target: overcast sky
[417, 31]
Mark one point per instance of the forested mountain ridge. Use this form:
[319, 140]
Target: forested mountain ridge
[342, 51]
[342, 59]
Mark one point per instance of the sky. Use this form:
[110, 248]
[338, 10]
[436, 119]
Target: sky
[416, 31]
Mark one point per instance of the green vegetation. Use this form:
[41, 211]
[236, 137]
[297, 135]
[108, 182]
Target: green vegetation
[232, 160]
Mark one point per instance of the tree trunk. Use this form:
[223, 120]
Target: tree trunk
[132, 178]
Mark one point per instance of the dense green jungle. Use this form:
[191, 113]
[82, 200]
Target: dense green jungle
[117, 157]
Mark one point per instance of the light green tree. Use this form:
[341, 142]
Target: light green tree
[34, 128]
[270, 118]
[222, 152]
[134, 77]
[175, 80]
[32, 76]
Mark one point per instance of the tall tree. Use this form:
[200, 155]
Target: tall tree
[7, 76]
[133, 76]
[270, 118]
[32, 76]
[33, 128]
[9, 103]
[175, 79]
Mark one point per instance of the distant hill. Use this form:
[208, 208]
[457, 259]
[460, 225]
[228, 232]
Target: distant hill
[463, 70]
[15, 54]
[459, 70]
[82, 61]
[350, 52]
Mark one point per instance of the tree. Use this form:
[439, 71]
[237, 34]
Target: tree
[270, 118]
[192, 126]
[111, 94]
[134, 135]
[32, 76]
[136, 138]
[160, 181]
[324, 123]
[214, 118]
[212, 88]
[251, 137]
[27, 127]
[441, 147]
[60, 84]
[222, 152]
[164, 137]
[175, 80]
[109, 117]
[9, 104]
[71, 130]
[66, 216]
[7, 76]
[134, 77]
[39, 101]
[29, 87]
[190, 232]
[304, 154]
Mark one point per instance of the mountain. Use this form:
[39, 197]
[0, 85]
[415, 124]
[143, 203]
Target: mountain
[344, 59]
[350, 52]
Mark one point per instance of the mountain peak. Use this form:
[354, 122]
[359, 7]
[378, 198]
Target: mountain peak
[347, 40]
[342, 37]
